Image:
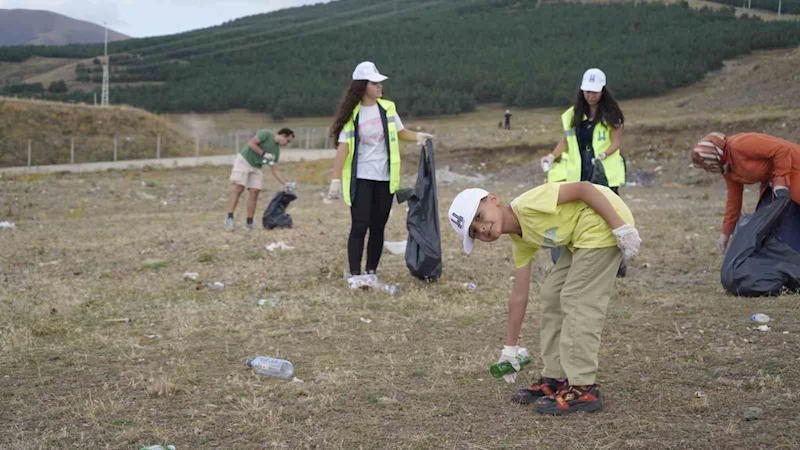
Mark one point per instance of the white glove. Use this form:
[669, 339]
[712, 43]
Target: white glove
[722, 242]
[602, 156]
[335, 191]
[422, 137]
[546, 162]
[290, 186]
[628, 240]
[510, 353]
[267, 156]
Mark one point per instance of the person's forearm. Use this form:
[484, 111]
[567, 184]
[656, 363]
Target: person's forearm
[338, 162]
[256, 149]
[559, 148]
[601, 205]
[516, 314]
[406, 135]
[277, 174]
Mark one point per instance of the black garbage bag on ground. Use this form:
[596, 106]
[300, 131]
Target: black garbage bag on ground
[424, 247]
[275, 215]
[758, 262]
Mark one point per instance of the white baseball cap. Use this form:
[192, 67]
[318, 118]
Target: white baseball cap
[593, 80]
[367, 71]
[462, 211]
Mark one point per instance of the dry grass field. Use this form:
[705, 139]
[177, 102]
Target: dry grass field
[91, 250]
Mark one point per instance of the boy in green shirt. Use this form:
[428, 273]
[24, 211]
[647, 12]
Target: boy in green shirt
[596, 227]
[263, 148]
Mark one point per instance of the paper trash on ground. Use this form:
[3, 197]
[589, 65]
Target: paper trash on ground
[395, 248]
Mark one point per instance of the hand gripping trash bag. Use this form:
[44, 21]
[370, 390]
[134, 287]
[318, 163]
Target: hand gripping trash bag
[758, 262]
[424, 248]
[275, 215]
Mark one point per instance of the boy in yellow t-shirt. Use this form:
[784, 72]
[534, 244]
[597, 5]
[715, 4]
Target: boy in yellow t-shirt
[597, 229]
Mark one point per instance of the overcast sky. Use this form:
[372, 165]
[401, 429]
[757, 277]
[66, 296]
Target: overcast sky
[141, 18]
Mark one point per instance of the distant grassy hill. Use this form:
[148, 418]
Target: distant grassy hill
[35, 27]
[51, 126]
[442, 56]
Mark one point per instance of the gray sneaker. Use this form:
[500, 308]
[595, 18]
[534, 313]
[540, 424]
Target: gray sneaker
[250, 226]
[229, 226]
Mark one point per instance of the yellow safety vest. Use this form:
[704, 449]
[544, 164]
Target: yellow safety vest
[569, 168]
[350, 169]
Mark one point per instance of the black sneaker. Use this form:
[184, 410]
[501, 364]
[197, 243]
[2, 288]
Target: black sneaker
[571, 399]
[545, 387]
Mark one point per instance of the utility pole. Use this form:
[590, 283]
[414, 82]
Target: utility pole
[104, 93]
[779, 8]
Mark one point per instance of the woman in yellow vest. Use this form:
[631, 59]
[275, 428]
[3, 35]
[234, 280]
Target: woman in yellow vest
[366, 171]
[592, 130]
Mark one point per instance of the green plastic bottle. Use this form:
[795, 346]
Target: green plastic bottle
[505, 367]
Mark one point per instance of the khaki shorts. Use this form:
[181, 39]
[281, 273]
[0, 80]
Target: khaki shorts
[246, 175]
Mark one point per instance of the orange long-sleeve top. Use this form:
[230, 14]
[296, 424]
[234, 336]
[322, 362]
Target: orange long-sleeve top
[758, 158]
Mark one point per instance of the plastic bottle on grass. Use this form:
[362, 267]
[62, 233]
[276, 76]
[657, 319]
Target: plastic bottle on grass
[271, 367]
[505, 367]
[760, 318]
[391, 289]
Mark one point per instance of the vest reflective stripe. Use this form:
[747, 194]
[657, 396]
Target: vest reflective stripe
[601, 141]
[350, 169]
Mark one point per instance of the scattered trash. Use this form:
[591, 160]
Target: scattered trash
[753, 413]
[271, 302]
[327, 201]
[271, 367]
[366, 320]
[362, 281]
[218, 286]
[152, 336]
[699, 394]
[9, 225]
[512, 278]
[785, 332]
[470, 285]
[763, 328]
[395, 248]
[760, 318]
[190, 276]
[158, 447]
[122, 320]
[646, 266]
[390, 289]
[146, 196]
[51, 263]
[296, 380]
[278, 245]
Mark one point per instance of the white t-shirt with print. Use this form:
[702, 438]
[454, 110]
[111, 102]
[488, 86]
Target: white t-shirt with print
[373, 160]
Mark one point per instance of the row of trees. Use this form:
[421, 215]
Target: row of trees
[445, 60]
[56, 87]
[786, 6]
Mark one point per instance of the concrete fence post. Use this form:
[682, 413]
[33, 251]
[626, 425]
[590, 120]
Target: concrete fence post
[72, 150]
[158, 146]
[29, 152]
[197, 146]
[115, 146]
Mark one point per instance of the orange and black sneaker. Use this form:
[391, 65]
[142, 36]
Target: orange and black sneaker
[571, 399]
[545, 387]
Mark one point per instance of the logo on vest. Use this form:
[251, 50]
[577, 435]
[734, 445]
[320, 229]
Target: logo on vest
[601, 136]
[458, 221]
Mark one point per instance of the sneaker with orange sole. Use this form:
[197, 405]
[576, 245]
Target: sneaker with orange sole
[571, 399]
[545, 387]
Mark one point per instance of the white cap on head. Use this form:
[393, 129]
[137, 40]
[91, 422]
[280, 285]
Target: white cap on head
[367, 71]
[462, 211]
[593, 80]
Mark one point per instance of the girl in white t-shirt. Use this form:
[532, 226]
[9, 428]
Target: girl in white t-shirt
[369, 194]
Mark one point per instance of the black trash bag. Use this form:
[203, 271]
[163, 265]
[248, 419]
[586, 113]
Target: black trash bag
[424, 247]
[758, 262]
[598, 173]
[275, 215]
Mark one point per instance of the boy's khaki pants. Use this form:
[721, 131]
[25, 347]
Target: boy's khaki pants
[573, 301]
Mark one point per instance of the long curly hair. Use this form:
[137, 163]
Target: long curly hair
[608, 111]
[350, 98]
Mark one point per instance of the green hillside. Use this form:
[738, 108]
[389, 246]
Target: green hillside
[442, 57]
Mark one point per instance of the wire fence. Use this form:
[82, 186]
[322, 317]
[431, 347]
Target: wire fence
[46, 149]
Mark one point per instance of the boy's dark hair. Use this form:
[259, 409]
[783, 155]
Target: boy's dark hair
[286, 132]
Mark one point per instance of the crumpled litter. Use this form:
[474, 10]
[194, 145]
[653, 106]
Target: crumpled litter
[363, 281]
[278, 245]
[190, 276]
[396, 248]
[10, 225]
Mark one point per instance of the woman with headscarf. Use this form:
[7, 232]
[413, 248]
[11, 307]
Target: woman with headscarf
[750, 158]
